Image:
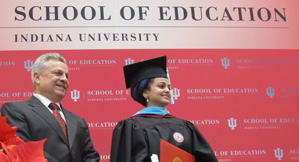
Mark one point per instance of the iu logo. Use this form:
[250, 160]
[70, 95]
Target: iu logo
[175, 94]
[270, 92]
[28, 64]
[278, 153]
[232, 123]
[129, 61]
[75, 95]
[225, 62]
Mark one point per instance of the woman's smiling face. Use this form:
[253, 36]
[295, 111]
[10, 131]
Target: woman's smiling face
[158, 92]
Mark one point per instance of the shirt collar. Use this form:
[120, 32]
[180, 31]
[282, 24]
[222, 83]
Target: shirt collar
[44, 100]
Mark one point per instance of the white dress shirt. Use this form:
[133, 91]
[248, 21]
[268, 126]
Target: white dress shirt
[47, 102]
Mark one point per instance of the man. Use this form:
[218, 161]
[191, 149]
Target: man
[69, 142]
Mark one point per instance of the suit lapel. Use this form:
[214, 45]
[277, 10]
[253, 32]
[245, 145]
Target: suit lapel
[39, 108]
[71, 127]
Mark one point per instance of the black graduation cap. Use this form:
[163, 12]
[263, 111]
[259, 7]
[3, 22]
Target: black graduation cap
[152, 68]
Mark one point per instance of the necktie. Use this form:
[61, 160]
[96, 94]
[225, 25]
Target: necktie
[57, 115]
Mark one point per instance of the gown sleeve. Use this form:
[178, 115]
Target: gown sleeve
[202, 150]
[129, 143]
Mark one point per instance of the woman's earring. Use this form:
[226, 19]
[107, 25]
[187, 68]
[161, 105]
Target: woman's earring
[146, 97]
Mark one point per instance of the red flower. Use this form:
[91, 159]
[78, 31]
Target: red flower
[14, 149]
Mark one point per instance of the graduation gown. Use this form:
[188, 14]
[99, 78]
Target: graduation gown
[137, 138]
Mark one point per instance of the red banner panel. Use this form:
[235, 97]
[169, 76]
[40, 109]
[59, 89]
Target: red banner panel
[245, 102]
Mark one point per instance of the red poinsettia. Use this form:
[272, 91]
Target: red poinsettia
[14, 149]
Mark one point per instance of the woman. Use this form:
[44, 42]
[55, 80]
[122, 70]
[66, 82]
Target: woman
[136, 139]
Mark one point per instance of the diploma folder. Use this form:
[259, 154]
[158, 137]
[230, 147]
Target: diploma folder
[171, 153]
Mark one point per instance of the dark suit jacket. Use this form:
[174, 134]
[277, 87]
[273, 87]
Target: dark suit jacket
[35, 122]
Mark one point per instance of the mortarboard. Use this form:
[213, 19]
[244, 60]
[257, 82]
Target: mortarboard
[151, 68]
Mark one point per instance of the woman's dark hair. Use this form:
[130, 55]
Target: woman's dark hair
[138, 89]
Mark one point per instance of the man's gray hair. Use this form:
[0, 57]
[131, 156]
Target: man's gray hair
[39, 64]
